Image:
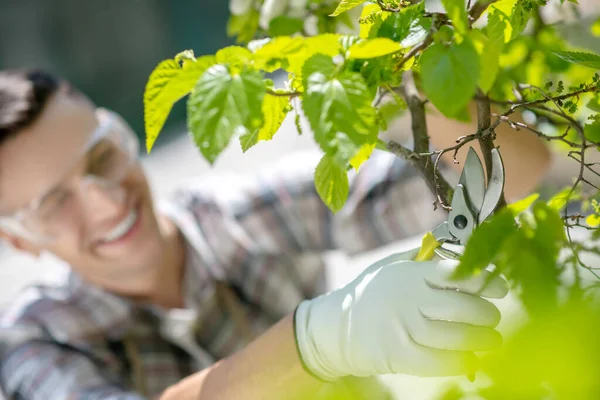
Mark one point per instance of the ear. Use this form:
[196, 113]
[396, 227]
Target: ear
[20, 244]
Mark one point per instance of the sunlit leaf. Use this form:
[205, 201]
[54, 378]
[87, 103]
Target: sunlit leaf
[519, 206]
[274, 54]
[346, 5]
[222, 105]
[168, 83]
[369, 15]
[331, 182]
[234, 56]
[489, 55]
[560, 199]
[371, 48]
[362, 155]
[593, 220]
[274, 109]
[445, 80]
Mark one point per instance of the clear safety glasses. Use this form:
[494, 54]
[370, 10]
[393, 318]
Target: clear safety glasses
[105, 160]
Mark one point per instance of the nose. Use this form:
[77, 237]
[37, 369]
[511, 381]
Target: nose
[100, 200]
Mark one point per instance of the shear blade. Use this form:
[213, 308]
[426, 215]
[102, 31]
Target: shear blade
[473, 180]
[494, 188]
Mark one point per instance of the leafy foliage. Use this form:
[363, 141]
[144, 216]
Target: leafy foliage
[350, 84]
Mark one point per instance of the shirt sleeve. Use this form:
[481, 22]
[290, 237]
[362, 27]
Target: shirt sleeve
[279, 210]
[39, 370]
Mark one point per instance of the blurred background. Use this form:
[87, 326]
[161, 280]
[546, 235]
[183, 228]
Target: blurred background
[108, 48]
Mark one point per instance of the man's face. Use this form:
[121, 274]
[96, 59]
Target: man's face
[107, 232]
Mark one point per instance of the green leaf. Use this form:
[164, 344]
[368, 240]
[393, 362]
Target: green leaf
[331, 182]
[595, 28]
[485, 243]
[224, 104]
[519, 206]
[235, 56]
[371, 48]
[275, 54]
[327, 44]
[362, 155]
[592, 131]
[450, 75]
[489, 56]
[519, 17]
[457, 12]
[408, 26]
[594, 104]
[168, 83]
[346, 5]
[559, 200]
[587, 59]
[274, 109]
[337, 102]
[244, 26]
[593, 220]
[499, 29]
[370, 15]
[284, 25]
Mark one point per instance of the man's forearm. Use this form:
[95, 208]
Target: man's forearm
[268, 368]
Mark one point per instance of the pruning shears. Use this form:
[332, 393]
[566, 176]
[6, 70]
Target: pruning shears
[472, 203]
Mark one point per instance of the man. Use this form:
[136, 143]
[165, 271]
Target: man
[218, 284]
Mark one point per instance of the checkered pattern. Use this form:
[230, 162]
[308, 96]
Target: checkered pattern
[261, 237]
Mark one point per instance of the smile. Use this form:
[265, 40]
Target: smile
[123, 228]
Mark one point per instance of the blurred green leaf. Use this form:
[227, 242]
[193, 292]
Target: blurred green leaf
[592, 131]
[275, 54]
[331, 182]
[371, 15]
[594, 104]
[559, 200]
[244, 26]
[371, 48]
[489, 54]
[168, 83]
[222, 105]
[519, 17]
[274, 110]
[346, 5]
[284, 26]
[457, 12]
[450, 75]
[485, 243]
[519, 206]
[593, 220]
[235, 56]
[337, 102]
[408, 26]
[587, 59]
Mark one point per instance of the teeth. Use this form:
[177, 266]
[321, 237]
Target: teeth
[122, 228]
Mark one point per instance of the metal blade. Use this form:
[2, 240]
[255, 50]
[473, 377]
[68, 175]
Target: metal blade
[473, 179]
[461, 220]
[494, 188]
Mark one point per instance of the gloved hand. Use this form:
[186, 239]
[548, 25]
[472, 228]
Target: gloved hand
[400, 316]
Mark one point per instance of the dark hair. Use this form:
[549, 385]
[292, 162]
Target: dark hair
[23, 96]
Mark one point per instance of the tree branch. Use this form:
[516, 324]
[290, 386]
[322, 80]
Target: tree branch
[477, 9]
[486, 140]
[438, 185]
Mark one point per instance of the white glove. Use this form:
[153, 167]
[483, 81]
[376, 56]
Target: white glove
[400, 316]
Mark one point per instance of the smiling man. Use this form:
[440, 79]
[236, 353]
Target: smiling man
[220, 284]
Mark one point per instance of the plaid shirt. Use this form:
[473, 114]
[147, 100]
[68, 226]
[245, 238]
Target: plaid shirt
[254, 251]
